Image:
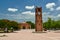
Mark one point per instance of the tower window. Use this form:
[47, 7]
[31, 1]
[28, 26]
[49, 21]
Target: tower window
[39, 24]
[39, 13]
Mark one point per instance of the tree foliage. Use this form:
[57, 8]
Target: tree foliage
[52, 24]
[4, 23]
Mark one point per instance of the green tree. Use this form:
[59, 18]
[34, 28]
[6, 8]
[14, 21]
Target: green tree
[52, 24]
[49, 23]
[7, 23]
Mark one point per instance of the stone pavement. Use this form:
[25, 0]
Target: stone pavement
[28, 35]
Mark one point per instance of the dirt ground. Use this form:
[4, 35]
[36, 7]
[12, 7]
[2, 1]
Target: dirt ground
[28, 35]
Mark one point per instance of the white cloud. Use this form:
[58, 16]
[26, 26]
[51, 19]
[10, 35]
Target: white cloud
[58, 8]
[29, 13]
[58, 15]
[50, 6]
[29, 16]
[23, 16]
[29, 7]
[45, 16]
[58, 0]
[51, 9]
[26, 16]
[12, 9]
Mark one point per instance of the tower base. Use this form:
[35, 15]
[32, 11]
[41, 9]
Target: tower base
[39, 32]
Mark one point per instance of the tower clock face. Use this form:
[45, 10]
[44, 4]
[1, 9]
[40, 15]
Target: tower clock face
[39, 13]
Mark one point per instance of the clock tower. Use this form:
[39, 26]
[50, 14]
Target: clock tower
[38, 19]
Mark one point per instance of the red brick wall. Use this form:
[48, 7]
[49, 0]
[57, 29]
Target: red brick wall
[25, 25]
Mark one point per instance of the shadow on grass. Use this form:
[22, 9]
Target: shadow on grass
[8, 32]
[3, 35]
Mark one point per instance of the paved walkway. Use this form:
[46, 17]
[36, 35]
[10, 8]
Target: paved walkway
[28, 35]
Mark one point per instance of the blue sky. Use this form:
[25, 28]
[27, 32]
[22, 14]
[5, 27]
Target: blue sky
[24, 10]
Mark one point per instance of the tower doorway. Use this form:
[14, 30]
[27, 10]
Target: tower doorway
[24, 27]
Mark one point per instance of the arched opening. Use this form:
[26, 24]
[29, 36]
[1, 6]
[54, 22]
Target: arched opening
[38, 13]
[24, 27]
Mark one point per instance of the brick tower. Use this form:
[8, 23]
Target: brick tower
[38, 19]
